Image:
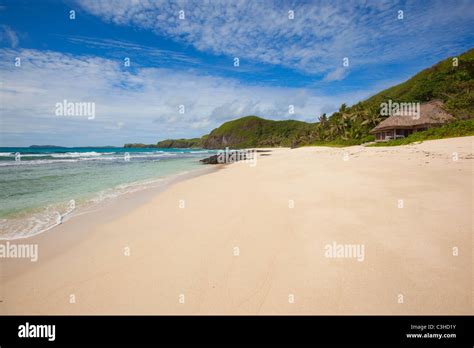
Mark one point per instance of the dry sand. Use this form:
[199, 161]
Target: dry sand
[189, 253]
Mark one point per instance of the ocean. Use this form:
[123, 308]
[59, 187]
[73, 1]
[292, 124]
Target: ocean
[41, 187]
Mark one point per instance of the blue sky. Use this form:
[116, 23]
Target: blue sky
[190, 62]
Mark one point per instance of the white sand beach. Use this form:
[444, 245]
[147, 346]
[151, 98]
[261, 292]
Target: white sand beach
[252, 240]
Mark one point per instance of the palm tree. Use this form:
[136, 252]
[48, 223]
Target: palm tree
[333, 129]
[340, 124]
[323, 120]
[322, 132]
[372, 119]
[355, 132]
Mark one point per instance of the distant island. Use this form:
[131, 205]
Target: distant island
[50, 146]
[68, 147]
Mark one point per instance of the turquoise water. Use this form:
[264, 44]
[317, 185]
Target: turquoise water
[40, 187]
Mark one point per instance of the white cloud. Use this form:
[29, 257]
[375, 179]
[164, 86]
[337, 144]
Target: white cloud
[337, 74]
[315, 41]
[142, 105]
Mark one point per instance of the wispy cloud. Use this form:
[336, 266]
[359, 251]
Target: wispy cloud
[337, 74]
[8, 36]
[321, 34]
[125, 47]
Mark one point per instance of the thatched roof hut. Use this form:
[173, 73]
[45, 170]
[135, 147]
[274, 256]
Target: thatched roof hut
[431, 114]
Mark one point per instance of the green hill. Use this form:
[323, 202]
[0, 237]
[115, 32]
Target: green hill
[139, 145]
[454, 85]
[253, 131]
[172, 143]
[181, 143]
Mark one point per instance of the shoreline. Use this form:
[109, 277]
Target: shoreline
[77, 226]
[191, 251]
[90, 205]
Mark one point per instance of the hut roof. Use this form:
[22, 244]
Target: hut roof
[431, 113]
